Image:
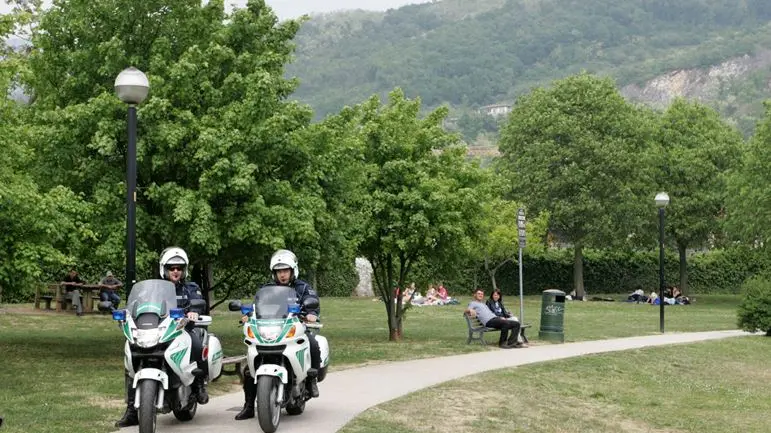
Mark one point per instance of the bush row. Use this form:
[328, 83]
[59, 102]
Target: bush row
[713, 272]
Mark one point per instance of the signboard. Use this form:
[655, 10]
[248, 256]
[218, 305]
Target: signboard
[521, 227]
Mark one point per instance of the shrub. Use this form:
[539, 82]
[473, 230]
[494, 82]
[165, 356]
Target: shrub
[755, 309]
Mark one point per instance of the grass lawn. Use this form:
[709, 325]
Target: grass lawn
[711, 387]
[61, 373]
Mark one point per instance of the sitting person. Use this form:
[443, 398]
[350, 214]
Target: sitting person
[70, 285]
[477, 308]
[495, 304]
[442, 293]
[637, 296]
[409, 293]
[431, 297]
[108, 291]
[653, 298]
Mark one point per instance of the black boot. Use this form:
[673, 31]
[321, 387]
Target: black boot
[199, 386]
[130, 417]
[313, 387]
[250, 394]
[311, 383]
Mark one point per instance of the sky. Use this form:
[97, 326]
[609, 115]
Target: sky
[294, 8]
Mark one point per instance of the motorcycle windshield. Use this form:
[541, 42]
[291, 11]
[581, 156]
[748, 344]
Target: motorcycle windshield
[272, 302]
[152, 296]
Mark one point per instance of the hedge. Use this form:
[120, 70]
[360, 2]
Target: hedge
[720, 271]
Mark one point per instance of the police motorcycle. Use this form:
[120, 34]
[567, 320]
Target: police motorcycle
[278, 352]
[158, 352]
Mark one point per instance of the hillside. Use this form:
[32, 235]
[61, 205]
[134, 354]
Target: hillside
[470, 53]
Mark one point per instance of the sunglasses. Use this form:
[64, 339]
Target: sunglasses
[176, 268]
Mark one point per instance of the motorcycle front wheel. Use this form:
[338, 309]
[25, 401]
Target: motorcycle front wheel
[268, 408]
[148, 392]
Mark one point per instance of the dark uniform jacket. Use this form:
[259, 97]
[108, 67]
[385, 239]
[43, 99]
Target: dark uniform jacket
[187, 291]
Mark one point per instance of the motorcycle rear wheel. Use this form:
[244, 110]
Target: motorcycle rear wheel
[148, 392]
[268, 408]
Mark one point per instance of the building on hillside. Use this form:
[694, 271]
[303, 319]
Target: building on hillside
[495, 110]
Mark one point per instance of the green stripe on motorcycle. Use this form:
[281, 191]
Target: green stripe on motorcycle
[301, 358]
[171, 333]
[177, 357]
[127, 331]
[149, 308]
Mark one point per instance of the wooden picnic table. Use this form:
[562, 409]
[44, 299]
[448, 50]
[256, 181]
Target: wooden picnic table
[87, 291]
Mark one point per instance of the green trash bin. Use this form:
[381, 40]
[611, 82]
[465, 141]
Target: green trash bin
[552, 316]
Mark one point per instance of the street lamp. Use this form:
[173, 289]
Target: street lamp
[131, 86]
[662, 200]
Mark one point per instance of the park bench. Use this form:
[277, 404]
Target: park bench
[238, 363]
[476, 330]
[45, 293]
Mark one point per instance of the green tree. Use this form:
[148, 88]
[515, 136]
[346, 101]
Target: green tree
[39, 227]
[499, 240]
[578, 151]
[699, 149]
[421, 195]
[748, 202]
[222, 170]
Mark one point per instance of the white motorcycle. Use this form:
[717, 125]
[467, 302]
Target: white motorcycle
[278, 352]
[158, 352]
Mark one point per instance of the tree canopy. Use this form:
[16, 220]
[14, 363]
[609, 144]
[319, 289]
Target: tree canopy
[420, 198]
[577, 150]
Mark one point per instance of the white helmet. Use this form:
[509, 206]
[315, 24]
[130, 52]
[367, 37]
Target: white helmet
[284, 259]
[173, 256]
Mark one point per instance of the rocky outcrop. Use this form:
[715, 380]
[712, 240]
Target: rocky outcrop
[704, 85]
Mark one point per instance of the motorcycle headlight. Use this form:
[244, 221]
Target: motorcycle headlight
[269, 332]
[147, 337]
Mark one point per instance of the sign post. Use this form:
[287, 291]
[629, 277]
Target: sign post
[521, 232]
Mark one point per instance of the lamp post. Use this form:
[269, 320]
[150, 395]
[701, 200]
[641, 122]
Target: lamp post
[131, 86]
[662, 200]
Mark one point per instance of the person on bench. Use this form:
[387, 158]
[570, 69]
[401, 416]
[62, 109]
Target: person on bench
[70, 285]
[495, 304]
[108, 292]
[477, 308]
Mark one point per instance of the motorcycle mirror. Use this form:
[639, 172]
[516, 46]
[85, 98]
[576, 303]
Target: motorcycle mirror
[310, 304]
[234, 306]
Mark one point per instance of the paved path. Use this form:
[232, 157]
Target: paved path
[345, 394]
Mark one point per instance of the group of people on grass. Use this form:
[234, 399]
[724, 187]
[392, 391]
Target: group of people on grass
[435, 295]
[108, 289]
[672, 296]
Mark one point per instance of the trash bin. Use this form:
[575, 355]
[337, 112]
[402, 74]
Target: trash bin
[552, 316]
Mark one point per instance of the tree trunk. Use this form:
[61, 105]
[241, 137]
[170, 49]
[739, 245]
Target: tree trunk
[204, 275]
[491, 274]
[578, 272]
[683, 269]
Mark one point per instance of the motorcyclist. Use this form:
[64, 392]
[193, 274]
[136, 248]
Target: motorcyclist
[284, 268]
[173, 267]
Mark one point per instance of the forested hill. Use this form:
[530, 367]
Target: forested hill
[475, 52]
